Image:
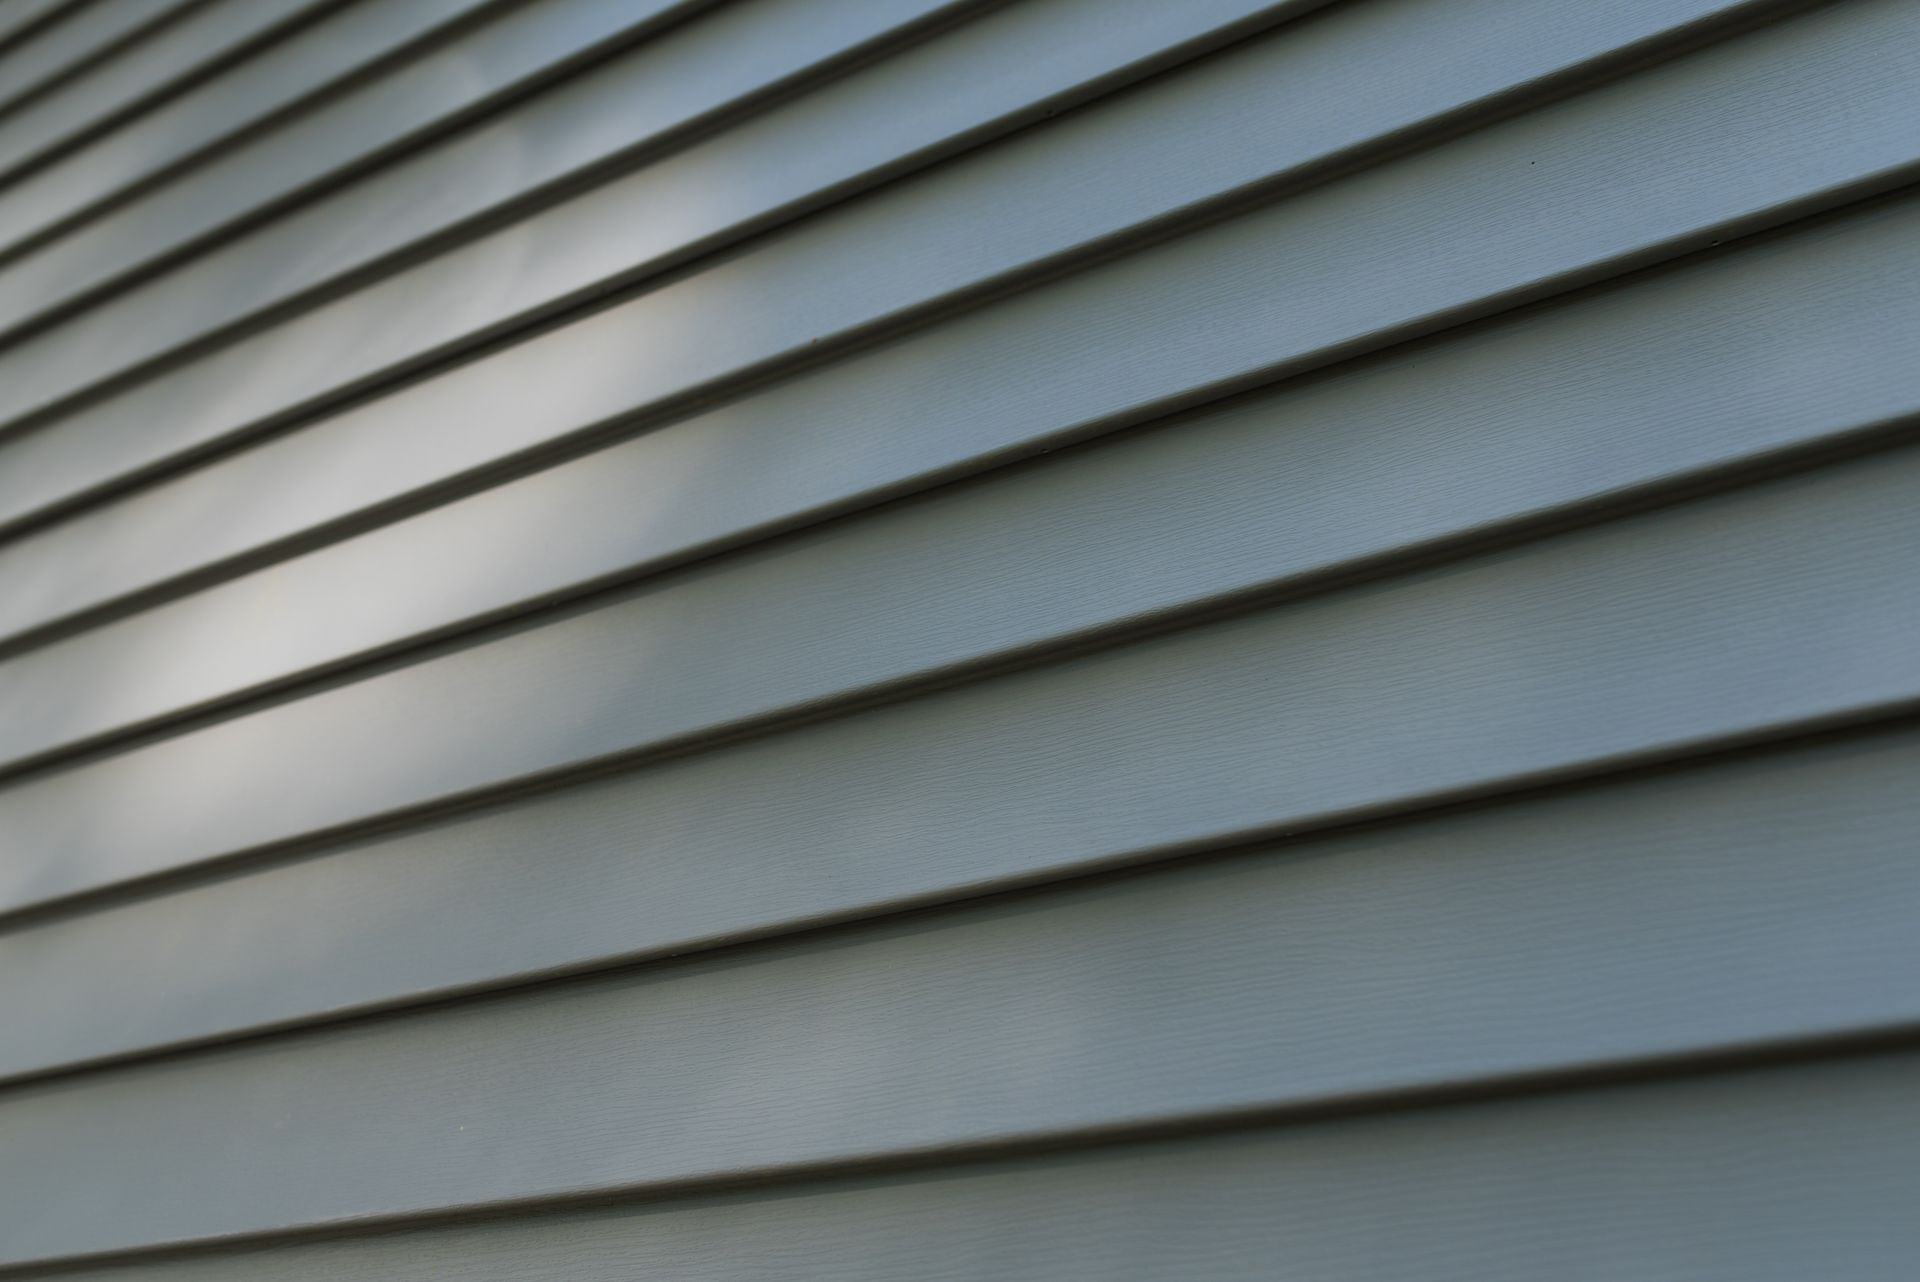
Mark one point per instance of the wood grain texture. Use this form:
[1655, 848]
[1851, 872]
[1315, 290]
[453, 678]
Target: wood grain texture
[69, 48]
[1783, 344]
[1769, 907]
[1765, 1176]
[1656, 164]
[491, 62]
[174, 55]
[1009, 68]
[1800, 601]
[275, 80]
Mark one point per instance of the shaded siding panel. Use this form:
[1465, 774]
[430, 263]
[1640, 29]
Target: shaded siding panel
[1761, 1177]
[94, 34]
[171, 134]
[407, 102]
[191, 48]
[991, 640]
[22, 19]
[1457, 952]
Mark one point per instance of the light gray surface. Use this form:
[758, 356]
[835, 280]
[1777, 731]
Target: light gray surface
[664, 85]
[237, 99]
[985, 78]
[1805, 597]
[1658, 163]
[61, 50]
[283, 488]
[22, 19]
[586, 877]
[989, 76]
[487, 63]
[773, 1012]
[202, 37]
[1776, 1176]
[1467, 950]
[1782, 344]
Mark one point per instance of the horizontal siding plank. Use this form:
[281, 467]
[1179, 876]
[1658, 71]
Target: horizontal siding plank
[1542, 659]
[275, 80]
[490, 62]
[1777, 1175]
[706, 68]
[24, 19]
[368, 924]
[163, 531]
[202, 38]
[91, 35]
[1648, 166]
[1460, 951]
[1786, 343]
[1000, 71]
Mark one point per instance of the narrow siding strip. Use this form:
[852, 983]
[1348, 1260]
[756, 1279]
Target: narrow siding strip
[586, 878]
[203, 38]
[95, 33]
[1787, 344]
[1763, 1176]
[702, 68]
[516, 49]
[1437, 956]
[1647, 167]
[242, 98]
[1803, 594]
[25, 19]
[1003, 70]
[165, 531]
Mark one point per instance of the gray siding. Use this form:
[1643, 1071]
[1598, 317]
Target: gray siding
[939, 638]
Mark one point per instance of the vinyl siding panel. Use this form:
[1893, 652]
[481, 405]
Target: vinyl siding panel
[644, 103]
[92, 36]
[243, 97]
[1263, 984]
[405, 104]
[585, 877]
[1780, 346]
[23, 19]
[964, 640]
[192, 47]
[1335, 676]
[1678, 1180]
[1542, 201]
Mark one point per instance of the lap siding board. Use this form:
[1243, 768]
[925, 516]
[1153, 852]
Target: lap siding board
[1133, 640]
